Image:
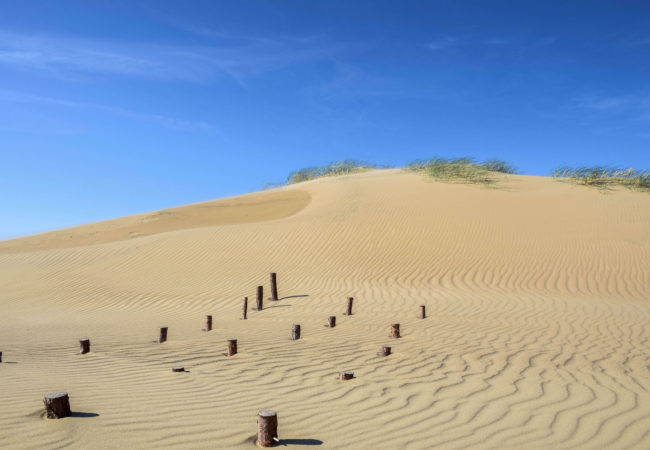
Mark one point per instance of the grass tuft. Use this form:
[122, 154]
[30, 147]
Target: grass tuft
[464, 170]
[604, 177]
[332, 169]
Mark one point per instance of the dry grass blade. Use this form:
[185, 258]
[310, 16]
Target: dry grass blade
[604, 177]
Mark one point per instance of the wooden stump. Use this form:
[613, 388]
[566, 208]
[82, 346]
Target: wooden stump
[232, 347]
[245, 307]
[274, 287]
[348, 311]
[343, 376]
[331, 321]
[208, 323]
[84, 346]
[260, 299]
[295, 332]
[57, 405]
[394, 330]
[162, 334]
[178, 369]
[423, 312]
[267, 428]
[385, 350]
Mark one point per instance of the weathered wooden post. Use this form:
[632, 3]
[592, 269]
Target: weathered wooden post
[423, 312]
[348, 312]
[162, 334]
[267, 428]
[57, 405]
[295, 332]
[394, 330]
[274, 287]
[347, 375]
[385, 350]
[232, 347]
[208, 323]
[331, 321]
[0, 357]
[260, 299]
[245, 307]
[84, 346]
[178, 369]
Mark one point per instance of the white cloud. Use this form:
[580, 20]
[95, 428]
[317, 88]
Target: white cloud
[442, 43]
[70, 56]
[166, 121]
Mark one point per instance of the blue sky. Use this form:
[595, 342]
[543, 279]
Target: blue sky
[109, 108]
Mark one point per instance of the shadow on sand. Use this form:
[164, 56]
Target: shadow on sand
[83, 414]
[286, 442]
[293, 296]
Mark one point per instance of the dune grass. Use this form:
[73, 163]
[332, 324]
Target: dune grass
[605, 177]
[332, 169]
[461, 170]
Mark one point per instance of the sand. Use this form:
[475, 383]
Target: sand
[538, 295]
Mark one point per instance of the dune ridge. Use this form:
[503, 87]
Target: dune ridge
[537, 336]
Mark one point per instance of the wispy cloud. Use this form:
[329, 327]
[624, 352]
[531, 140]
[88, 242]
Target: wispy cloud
[70, 56]
[165, 121]
[442, 43]
[607, 103]
[629, 113]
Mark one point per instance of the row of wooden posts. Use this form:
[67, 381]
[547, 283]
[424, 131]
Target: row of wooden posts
[57, 405]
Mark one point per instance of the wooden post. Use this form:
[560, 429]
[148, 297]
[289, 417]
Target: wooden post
[267, 428]
[178, 369]
[84, 346]
[245, 307]
[394, 330]
[232, 347]
[57, 405]
[0, 357]
[208, 323]
[162, 334]
[346, 375]
[423, 312]
[260, 300]
[295, 332]
[385, 350]
[274, 287]
[331, 321]
[348, 312]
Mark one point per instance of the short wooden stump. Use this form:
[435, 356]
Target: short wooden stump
[57, 405]
[162, 334]
[178, 369]
[84, 346]
[232, 347]
[331, 321]
[347, 375]
[385, 350]
[394, 330]
[267, 428]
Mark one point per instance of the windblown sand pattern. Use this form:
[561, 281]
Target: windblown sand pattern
[537, 335]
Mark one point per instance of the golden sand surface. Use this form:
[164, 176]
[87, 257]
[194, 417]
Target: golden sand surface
[537, 291]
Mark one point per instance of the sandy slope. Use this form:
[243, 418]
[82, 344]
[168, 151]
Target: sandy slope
[538, 336]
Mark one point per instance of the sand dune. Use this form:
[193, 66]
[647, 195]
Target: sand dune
[538, 294]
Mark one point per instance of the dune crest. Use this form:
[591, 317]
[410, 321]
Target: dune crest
[254, 207]
[538, 330]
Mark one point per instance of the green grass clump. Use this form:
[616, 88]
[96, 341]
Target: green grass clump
[464, 170]
[604, 177]
[332, 169]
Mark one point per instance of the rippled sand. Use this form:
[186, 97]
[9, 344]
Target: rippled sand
[538, 295]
